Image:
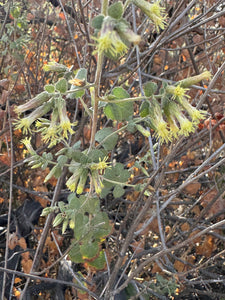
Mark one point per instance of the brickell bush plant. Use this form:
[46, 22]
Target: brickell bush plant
[161, 112]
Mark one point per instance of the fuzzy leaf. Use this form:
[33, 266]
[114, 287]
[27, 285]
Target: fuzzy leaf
[150, 88]
[99, 263]
[116, 173]
[89, 250]
[119, 111]
[61, 85]
[144, 109]
[118, 191]
[116, 10]
[100, 225]
[95, 154]
[109, 143]
[50, 88]
[97, 22]
[75, 254]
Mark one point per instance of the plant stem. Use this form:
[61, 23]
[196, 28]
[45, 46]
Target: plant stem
[97, 84]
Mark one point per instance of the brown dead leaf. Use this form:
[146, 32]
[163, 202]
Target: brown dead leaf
[22, 243]
[216, 207]
[185, 227]
[156, 269]
[207, 247]
[181, 266]
[26, 265]
[5, 159]
[193, 188]
[19, 88]
[197, 239]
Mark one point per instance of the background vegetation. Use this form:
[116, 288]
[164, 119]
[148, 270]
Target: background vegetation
[162, 208]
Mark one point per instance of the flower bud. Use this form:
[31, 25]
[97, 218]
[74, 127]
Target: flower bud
[142, 130]
[127, 34]
[58, 220]
[65, 123]
[55, 67]
[82, 181]
[187, 82]
[73, 180]
[33, 103]
[109, 41]
[25, 123]
[98, 185]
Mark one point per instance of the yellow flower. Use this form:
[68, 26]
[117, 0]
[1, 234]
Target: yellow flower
[177, 92]
[195, 114]
[27, 144]
[101, 165]
[162, 132]
[154, 11]
[109, 41]
[186, 126]
[51, 135]
[66, 127]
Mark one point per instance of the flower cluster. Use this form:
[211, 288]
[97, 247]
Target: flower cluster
[114, 38]
[154, 11]
[169, 119]
[78, 179]
[52, 130]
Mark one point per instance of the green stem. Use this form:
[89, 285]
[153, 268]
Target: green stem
[98, 73]
[105, 5]
[118, 183]
[124, 100]
[96, 99]
[80, 88]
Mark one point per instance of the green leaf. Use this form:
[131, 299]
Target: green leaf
[62, 160]
[120, 93]
[118, 191]
[82, 74]
[50, 88]
[116, 10]
[74, 202]
[150, 88]
[89, 250]
[117, 174]
[75, 254]
[99, 263]
[144, 109]
[84, 204]
[94, 155]
[55, 171]
[97, 22]
[113, 112]
[131, 126]
[77, 155]
[81, 228]
[119, 111]
[100, 225]
[109, 143]
[61, 85]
